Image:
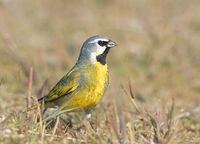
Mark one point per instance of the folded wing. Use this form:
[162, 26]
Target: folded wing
[67, 85]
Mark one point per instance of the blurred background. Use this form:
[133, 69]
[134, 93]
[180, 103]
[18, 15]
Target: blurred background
[158, 48]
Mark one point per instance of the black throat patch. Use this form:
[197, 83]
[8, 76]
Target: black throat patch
[102, 57]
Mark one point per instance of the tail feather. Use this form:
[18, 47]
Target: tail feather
[41, 99]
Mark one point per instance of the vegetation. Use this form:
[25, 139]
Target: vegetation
[153, 96]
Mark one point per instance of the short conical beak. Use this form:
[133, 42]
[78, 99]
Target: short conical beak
[111, 44]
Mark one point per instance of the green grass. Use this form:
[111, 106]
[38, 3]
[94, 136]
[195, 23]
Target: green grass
[158, 52]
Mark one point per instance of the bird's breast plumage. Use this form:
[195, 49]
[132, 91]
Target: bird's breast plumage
[93, 82]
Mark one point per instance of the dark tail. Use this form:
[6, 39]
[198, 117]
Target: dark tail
[41, 99]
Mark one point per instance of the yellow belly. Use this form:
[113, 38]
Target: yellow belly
[93, 84]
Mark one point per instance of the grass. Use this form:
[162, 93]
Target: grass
[153, 96]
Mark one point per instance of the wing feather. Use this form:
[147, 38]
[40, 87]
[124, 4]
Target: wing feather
[64, 87]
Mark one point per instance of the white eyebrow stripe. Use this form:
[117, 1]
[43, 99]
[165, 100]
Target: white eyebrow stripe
[96, 40]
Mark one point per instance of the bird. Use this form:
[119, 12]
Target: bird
[83, 87]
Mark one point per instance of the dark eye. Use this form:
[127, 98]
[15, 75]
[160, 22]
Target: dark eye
[102, 43]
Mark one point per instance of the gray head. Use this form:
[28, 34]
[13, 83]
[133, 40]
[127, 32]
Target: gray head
[95, 49]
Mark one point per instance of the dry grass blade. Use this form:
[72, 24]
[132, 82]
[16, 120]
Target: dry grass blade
[156, 136]
[132, 94]
[55, 128]
[57, 113]
[114, 121]
[122, 125]
[30, 83]
[5, 120]
[170, 120]
[42, 134]
[41, 90]
[122, 87]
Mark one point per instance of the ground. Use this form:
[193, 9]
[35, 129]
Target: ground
[153, 94]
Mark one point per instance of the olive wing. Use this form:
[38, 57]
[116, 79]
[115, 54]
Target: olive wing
[64, 87]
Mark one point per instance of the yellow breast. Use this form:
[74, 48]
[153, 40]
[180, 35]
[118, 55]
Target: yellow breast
[93, 83]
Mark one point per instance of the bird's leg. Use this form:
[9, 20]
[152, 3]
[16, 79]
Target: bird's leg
[90, 120]
[87, 118]
[83, 120]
